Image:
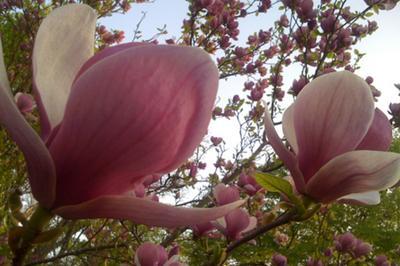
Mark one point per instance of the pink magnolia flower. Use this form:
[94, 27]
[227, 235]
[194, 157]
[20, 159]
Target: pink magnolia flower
[149, 254]
[109, 120]
[236, 222]
[249, 184]
[338, 140]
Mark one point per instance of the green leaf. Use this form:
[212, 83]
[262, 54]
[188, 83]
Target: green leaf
[274, 184]
[369, 14]
[280, 185]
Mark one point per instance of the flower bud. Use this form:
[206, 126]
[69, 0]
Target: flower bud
[279, 260]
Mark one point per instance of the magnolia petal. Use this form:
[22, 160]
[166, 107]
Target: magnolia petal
[288, 128]
[144, 211]
[365, 198]
[236, 222]
[379, 135]
[65, 40]
[252, 224]
[39, 162]
[354, 172]
[153, 106]
[225, 194]
[3, 73]
[332, 114]
[283, 153]
[106, 52]
[149, 254]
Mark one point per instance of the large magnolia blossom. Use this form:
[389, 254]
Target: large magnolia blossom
[109, 120]
[339, 141]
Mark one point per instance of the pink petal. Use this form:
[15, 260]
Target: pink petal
[225, 194]
[284, 154]
[236, 222]
[65, 40]
[203, 228]
[365, 198]
[252, 224]
[149, 254]
[106, 52]
[288, 128]
[332, 114]
[389, 5]
[142, 211]
[39, 162]
[153, 106]
[354, 172]
[379, 136]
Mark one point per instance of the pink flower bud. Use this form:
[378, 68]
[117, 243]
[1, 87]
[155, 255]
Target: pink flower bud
[381, 260]
[328, 24]
[394, 109]
[284, 21]
[298, 85]
[369, 80]
[361, 249]
[236, 99]
[345, 242]
[314, 262]
[328, 252]
[279, 260]
[216, 140]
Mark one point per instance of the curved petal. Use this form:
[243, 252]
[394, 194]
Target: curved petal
[332, 114]
[225, 194]
[4, 83]
[379, 135]
[39, 162]
[288, 128]
[106, 52]
[252, 224]
[236, 222]
[143, 211]
[354, 172]
[65, 40]
[365, 198]
[149, 254]
[283, 153]
[153, 106]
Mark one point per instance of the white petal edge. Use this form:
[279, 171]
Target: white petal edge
[288, 128]
[283, 153]
[365, 198]
[64, 42]
[355, 172]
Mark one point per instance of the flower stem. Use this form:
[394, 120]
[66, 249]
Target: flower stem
[37, 222]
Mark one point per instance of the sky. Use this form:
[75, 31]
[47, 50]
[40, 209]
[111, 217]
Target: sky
[382, 47]
[381, 62]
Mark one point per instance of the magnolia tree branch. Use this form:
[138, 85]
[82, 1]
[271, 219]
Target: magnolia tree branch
[76, 253]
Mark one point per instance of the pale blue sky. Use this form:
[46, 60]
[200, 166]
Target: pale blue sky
[381, 62]
[382, 48]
